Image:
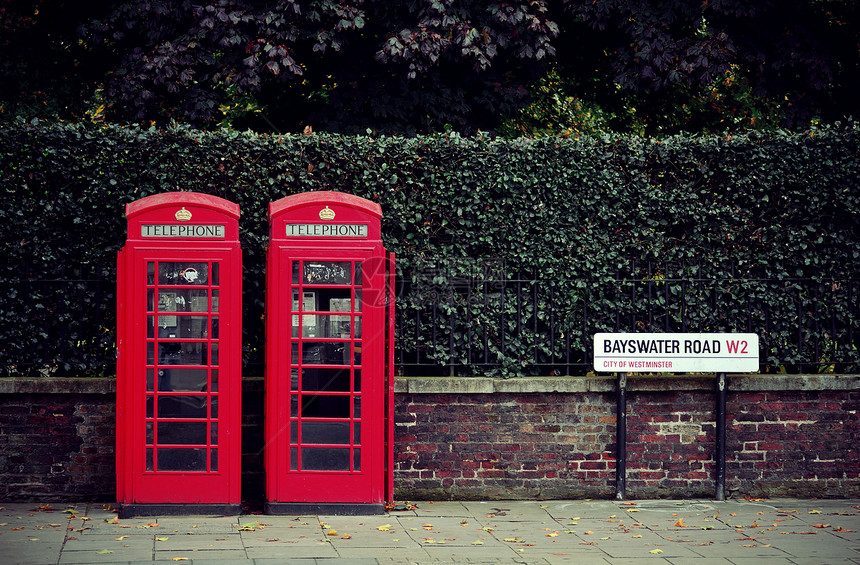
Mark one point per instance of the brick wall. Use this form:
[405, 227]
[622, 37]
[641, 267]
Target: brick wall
[497, 439]
[58, 445]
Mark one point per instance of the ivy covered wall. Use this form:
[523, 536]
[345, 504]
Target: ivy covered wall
[758, 211]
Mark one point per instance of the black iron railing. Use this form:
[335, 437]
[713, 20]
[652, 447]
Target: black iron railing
[489, 322]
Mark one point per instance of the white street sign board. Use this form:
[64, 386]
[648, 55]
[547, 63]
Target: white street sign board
[676, 353]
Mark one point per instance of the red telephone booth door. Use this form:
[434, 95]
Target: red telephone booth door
[179, 365]
[326, 381]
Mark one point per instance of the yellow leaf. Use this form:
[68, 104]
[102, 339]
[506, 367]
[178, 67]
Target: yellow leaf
[332, 532]
[120, 538]
[680, 523]
[655, 551]
[638, 536]
[815, 511]
[346, 536]
[384, 528]
[477, 542]
[114, 520]
[607, 537]
[633, 510]
[181, 559]
[160, 539]
[104, 551]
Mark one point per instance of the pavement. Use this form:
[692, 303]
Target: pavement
[697, 532]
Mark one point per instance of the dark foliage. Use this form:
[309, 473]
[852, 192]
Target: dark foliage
[755, 213]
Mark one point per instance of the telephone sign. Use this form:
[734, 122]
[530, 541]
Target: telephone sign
[328, 375]
[179, 315]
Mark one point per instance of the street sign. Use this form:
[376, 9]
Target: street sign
[676, 353]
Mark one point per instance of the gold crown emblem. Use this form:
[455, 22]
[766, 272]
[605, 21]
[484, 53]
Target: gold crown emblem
[183, 215]
[326, 214]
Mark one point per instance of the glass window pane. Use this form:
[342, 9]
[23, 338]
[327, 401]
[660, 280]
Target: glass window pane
[325, 353]
[357, 408]
[182, 353]
[296, 272]
[150, 300]
[294, 459]
[149, 406]
[357, 273]
[182, 380]
[327, 272]
[149, 433]
[214, 300]
[150, 353]
[214, 353]
[179, 459]
[294, 406]
[183, 273]
[150, 457]
[213, 454]
[214, 373]
[213, 433]
[357, 380]
[150, 272]
[325, 406]
[356, 433]
[185, 406]
[179, 433]
[325, 432]
[196, 299]
[216, 267]
[294, 435]
[332, 380]
[325, 459]
[356, 460]
[188, 327]
[294, 379]
[213, 404]
[150, 380]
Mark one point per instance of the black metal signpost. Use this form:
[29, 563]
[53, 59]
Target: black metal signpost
[625, 353]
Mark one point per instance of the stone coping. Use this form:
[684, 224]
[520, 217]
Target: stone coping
[484, 385]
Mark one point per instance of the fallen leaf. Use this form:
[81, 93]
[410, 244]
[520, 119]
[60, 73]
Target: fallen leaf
[589, 532]
[477, 542]
[628, 504]
[638, 536]
[607, 537]
[815, 511]
[680, 523]
[655, 551]
[841, 529]
[820, 525]
[120, 538]
[384, 528]
[161, 539]
[181, 559]
[552, 535]
[633, 510]
[346, 536]
[104, 551]
[513, 540]
[332, 532]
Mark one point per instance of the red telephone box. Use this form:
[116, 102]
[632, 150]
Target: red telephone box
[329, 324]
[179, 346]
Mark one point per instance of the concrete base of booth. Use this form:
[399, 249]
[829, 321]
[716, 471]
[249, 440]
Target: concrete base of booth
[135, 510]
[323, 508]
